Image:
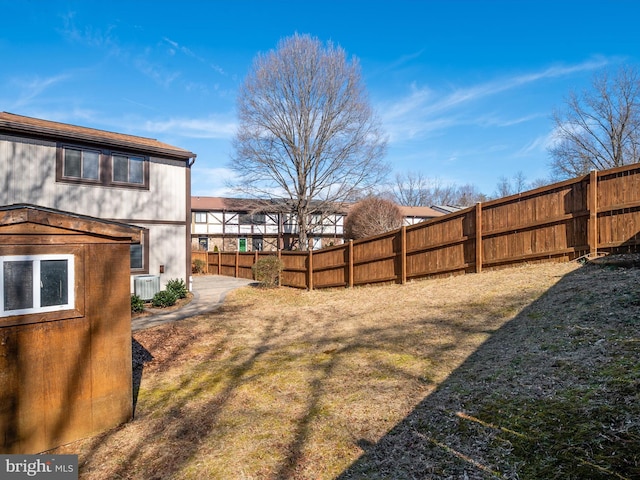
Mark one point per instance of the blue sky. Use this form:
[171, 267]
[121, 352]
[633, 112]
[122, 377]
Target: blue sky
[465, 89]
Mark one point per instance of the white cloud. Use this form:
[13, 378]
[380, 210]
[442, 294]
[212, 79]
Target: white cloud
[175, 46]
[211, 127]
[538, 145]
[424, 110]
[33, 87]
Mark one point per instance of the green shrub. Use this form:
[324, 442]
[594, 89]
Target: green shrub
[178, 287]
[198, 266]
[267, 271]
[137, 304]
[164, 298]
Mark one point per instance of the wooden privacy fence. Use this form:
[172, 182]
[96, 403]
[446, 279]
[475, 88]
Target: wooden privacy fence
[599, 212]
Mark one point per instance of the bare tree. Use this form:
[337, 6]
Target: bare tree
[372, 216]
[414, 189]
[430, 192]
[468, 195]
[510, 186]
[307, 134]
[600, 128]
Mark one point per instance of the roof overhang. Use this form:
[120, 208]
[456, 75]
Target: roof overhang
[28, 126]
[27, 213]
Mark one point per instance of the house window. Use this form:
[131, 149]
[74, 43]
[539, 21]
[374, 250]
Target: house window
[252, 219]
[128, 169]
[36, 283]
[139, 254]
[201, 217]
[137, 262]
[101, 167]
[81, 164]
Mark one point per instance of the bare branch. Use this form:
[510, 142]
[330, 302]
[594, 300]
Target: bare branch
[601, 128]
[413, 189]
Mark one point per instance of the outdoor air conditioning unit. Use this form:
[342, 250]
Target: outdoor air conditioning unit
[146, 286]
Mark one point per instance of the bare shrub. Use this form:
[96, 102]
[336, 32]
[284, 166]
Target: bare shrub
[372, 216]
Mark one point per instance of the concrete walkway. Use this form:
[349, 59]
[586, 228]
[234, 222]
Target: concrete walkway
[208, 293]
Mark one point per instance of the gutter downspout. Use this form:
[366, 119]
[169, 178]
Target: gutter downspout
[188, 272]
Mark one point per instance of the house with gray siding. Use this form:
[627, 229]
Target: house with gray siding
[112, 176]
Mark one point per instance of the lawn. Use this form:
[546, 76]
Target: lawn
[522, 373]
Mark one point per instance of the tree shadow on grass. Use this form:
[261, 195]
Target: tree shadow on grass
[552, 394]
[140, 356]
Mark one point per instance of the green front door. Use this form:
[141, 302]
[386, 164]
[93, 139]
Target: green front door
[242, 244]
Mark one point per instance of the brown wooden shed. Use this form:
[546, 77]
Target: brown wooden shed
[65, 327]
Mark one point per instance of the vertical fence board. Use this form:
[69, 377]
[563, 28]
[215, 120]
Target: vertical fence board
[478, 232]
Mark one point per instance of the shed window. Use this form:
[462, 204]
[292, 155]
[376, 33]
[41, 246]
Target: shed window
[36, 283]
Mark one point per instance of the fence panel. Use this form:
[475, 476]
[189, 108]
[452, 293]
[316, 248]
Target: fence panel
[330, 267]
[374, 259]
[619, 209]
[540, 224]
[294, 273]
[245, 262]
[199, 255]
[443, 245]
[227, 264]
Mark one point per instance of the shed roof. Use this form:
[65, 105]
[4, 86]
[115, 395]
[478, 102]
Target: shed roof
[19, 124]
[22, 213]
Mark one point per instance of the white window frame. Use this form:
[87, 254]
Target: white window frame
[37, 259]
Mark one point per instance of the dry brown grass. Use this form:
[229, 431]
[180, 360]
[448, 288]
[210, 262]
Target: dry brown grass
[447, 378]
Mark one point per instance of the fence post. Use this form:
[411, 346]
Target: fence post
[403, 254]
[478, 237]
[219, 261]
[310, 269]
[350, 250]
[592, 239]
[280, 275]
[237, 262]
